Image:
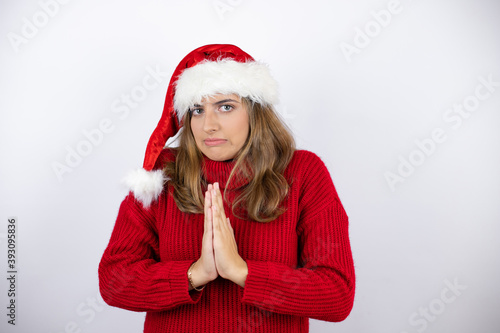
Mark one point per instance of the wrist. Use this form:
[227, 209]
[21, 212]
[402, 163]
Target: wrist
[193, 278]
[241, 274]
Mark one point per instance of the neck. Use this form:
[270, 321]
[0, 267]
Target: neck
[219, 171]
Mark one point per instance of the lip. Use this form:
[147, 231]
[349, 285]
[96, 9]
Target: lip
[214, 142]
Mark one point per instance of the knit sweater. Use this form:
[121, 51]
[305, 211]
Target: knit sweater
[299, 266]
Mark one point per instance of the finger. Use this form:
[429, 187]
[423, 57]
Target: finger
[209, 190]
[218, 195]
[220, 216]
[208, 215]
[217, 201]
[207, 203]
[210, 221]
[215, 218]
[208, 211]
[230, 227]
[210, 203]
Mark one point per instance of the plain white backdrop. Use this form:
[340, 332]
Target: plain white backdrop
[401, 100]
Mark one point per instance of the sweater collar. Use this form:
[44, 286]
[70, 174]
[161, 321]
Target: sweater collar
[219, 171]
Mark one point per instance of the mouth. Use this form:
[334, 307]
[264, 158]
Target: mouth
[214, 142]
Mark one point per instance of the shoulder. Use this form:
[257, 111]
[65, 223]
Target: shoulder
[308, 171]
[305, 161]
[305, 154]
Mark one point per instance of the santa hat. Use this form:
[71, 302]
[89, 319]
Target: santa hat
[206, 71]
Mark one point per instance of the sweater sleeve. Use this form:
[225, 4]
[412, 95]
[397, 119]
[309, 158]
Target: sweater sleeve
[322, 286]
[131, 276]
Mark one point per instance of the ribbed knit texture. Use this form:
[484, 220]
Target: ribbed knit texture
[299, 266]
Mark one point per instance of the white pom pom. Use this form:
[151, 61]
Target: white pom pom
[146, 185]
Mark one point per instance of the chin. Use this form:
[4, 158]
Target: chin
[218, 157]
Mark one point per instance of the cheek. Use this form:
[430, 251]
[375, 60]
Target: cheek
[195, 130]
[243, 131]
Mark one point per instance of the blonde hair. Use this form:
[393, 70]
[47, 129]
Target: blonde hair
[262, 160]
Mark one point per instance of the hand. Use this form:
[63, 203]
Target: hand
[204, 270]
[229, 263]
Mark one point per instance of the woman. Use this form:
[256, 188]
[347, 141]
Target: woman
[234, 230]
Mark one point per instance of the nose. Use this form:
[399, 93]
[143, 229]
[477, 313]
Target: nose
[210, 122]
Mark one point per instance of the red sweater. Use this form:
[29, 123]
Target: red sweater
[299, 266]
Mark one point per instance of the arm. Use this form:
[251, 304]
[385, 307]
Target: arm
[322, 286]
[131, 276]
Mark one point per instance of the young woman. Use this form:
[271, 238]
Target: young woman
[234, 230]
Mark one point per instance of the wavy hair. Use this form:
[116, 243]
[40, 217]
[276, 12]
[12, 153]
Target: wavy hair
[262, 161]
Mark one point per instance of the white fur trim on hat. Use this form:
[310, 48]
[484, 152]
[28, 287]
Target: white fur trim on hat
[145, 185]
[247, 79]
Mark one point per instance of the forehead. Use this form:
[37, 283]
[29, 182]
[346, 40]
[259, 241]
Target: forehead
[220, 97]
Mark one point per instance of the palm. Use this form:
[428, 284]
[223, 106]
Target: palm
[207, 248]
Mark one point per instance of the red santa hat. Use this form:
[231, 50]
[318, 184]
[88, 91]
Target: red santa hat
[206, 71]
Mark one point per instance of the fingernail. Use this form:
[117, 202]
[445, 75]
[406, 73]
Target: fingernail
[216, 185]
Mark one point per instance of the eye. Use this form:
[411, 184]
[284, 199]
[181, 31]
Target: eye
[196, 112]
[226, 108]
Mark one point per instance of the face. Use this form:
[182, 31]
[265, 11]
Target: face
[220, 126]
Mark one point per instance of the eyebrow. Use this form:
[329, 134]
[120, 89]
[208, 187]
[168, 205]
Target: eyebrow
[217, 103]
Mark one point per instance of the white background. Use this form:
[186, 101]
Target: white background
[437, 225]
